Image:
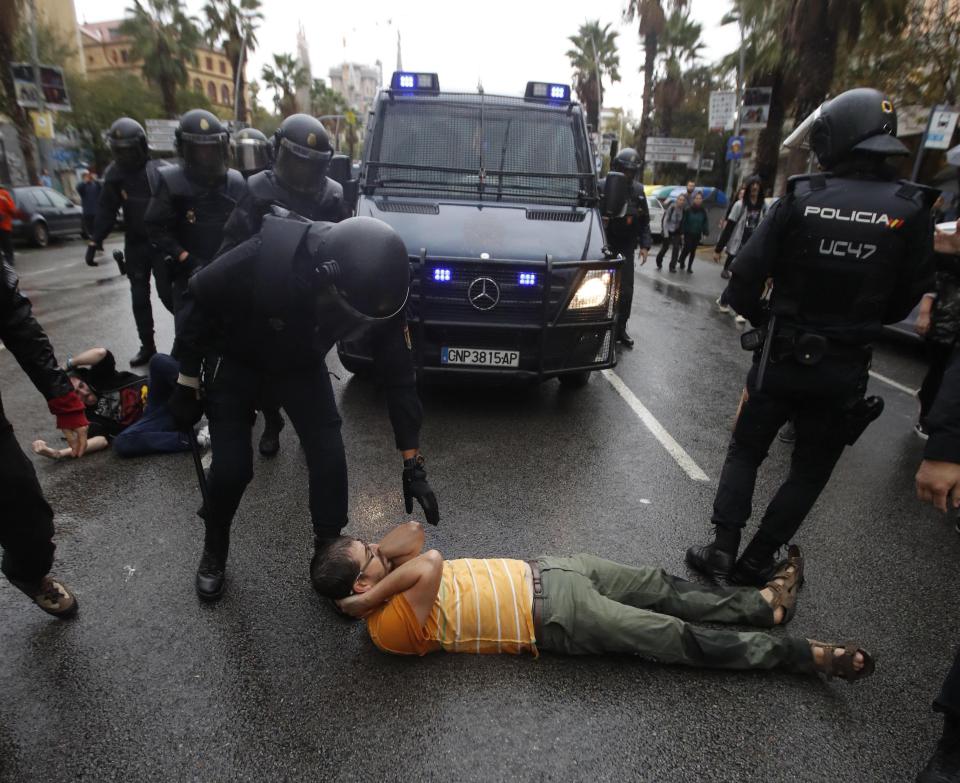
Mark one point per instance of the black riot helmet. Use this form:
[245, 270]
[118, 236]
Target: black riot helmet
[367, 270]
[859, 120]
[301, 154]
[628, 162]
[204, 144]
[128, 143]
[251, 152]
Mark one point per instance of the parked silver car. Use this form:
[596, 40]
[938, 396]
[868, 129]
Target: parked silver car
[656, 217]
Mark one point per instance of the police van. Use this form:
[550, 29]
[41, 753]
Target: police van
[496, 199]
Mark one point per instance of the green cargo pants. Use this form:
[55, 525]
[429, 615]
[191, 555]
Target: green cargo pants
[591, 605]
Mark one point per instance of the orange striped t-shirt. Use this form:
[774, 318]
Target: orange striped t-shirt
[482, 606]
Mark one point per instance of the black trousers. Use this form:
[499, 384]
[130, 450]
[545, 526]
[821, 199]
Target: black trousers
[690, 244]
[627, 273]
[938, 357]
[233, 392]
[89, 221]
[814, 398]
[6, 246]
[26, 519]
[948, 700]
[142, 262]
[671, 242]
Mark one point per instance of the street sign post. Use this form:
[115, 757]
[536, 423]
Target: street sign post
[943, 122]
[723, 110]
[161, 135]
[662, 149]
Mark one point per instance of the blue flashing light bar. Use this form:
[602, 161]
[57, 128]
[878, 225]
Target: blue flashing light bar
[441, 275]
[527, 278]
[404, 81]
[547, 91]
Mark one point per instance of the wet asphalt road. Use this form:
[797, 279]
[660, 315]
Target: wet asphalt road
[148, 684]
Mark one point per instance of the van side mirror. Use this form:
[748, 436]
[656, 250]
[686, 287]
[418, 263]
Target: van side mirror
[339, 168]
[615, 191]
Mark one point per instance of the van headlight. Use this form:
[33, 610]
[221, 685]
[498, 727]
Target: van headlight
[593, 291]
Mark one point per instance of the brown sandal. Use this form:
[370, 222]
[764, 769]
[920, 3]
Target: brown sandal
[842, 665]
[785, 592]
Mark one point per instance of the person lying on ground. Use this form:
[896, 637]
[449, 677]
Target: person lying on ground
[125, 410]
[416, 602]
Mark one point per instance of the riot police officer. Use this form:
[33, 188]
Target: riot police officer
[129, 182]
[627, 231]
[251, 152]
[297, 182]
[193, 200]
[261, 318]
[848, 250]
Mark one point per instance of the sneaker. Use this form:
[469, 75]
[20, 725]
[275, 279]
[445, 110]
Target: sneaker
[921, 432]
[740, 319]
[722, 307]
[50, 595]
[144, 355]
[203, 437]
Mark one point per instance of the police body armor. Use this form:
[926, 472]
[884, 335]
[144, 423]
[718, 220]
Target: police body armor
[135, 187]
[623, 231]
[326, 205]
[202, 212]
[846, 243]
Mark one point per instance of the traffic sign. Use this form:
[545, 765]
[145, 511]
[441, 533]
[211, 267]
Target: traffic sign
[703, 163]
[161, 135]
[723, 109]
[662, 149]
[735, 148]
[943, 122]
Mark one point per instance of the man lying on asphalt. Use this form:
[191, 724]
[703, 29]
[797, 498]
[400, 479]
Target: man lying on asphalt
[416, 602]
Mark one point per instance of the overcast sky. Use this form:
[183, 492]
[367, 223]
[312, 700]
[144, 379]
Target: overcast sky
[501, 43]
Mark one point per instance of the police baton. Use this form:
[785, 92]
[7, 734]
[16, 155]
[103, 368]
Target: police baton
[121, 264]
[198, 464]
[765, 353]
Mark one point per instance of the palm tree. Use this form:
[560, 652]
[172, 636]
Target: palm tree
[594, 54]
[680, 44]
[652, 20]
[284, 77]
[232, 24]
[9, 26]
[165, 38]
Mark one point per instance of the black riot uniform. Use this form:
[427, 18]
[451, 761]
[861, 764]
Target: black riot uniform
[848, 251]
[262, 318]
[627, 231]
[252, 152]
[298, 182]
[193, 200]
[129, 182]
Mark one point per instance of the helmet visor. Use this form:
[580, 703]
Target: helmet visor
[251, 155]
[300, 168]
[128, 153]
[205, 157]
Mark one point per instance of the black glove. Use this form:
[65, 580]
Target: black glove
[121, 264]
[185, 407]
[415, 485]
[91, 252]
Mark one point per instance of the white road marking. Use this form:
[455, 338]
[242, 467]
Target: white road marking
[893, 383]
[674, 449]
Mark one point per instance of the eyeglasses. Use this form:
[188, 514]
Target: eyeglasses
[370, 555]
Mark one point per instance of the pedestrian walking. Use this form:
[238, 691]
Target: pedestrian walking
[8, 209]
[672, 233]
[89, 191]
[812, 347]
[694, 227]
[45, 179]
[26, 522]
[938, 322]
[741, 222]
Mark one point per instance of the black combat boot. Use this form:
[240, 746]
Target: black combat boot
[212, 571]
[625, 339]
[757, 564]
[270, 439]
[144, 355]
[715, 560]
[944, 764]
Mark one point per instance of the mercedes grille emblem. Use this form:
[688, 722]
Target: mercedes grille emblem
[484, 293]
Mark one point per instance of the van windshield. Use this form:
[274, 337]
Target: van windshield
[480, 148]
